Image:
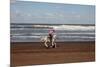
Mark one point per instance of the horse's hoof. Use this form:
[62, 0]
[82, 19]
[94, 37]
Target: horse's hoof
[47, 47]
[54, 46]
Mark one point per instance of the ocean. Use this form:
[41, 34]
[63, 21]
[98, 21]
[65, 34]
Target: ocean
[21, 32]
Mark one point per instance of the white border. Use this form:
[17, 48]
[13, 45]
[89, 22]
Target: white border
[82, 2]
[4, 33]
[80, 64]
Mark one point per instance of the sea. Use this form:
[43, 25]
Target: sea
[22, 32]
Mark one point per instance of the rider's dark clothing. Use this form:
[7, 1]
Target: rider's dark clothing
[50, 37]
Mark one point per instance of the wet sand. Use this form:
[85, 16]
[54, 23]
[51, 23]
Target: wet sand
[34, 53]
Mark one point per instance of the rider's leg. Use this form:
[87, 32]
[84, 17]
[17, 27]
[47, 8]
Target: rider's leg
[50, 37]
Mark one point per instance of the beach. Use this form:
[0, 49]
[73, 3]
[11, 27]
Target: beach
[34, 53]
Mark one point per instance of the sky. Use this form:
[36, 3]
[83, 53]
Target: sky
[50, 13]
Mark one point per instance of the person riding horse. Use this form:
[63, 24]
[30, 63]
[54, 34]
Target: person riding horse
[50, 38]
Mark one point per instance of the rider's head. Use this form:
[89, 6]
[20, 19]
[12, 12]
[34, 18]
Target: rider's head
[52, 29]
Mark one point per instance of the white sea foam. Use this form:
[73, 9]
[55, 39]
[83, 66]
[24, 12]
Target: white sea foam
[75, 37]
[62, 27]
[73, 27]
[67, 27]
[41, 34]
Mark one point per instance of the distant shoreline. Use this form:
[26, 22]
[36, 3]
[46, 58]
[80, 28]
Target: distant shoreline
[58, 42]
[50, 24]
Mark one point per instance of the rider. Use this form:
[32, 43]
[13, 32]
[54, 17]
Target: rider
[51, 33]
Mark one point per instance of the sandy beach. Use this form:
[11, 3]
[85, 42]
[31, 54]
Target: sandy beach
[34, 53]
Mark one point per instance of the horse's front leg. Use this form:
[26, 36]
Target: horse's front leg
[46, 44]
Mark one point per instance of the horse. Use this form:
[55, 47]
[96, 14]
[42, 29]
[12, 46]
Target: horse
[46, 39]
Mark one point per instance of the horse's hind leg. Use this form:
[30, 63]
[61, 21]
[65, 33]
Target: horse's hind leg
[54, 46]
